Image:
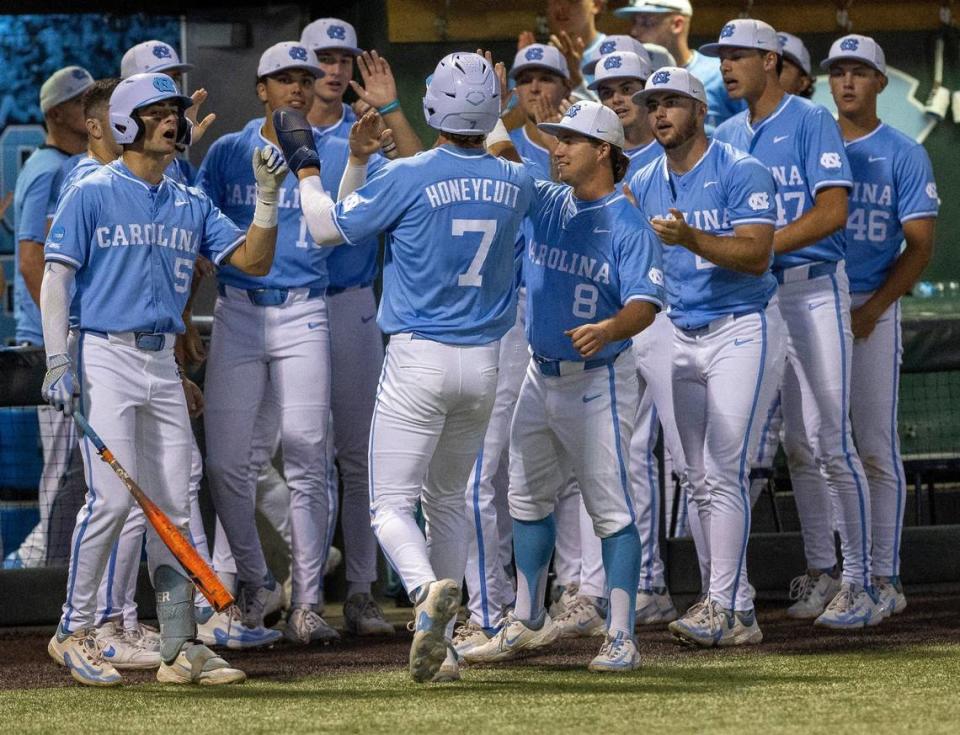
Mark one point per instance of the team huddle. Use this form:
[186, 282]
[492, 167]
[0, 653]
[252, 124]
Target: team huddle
[620, 236]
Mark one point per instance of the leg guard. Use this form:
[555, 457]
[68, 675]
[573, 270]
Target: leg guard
[174, 611]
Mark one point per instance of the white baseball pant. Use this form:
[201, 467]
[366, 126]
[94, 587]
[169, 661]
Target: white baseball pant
[433, 404]
[567, 556]
[489, 551]
[724, 377]
[134, 400]
[816, 405]
[289, 347]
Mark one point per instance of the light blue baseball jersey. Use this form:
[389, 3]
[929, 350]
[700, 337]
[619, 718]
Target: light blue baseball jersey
[534, 156]
[226, 175]
[640, 157]
[892, 183]
[586, 259]
[801, 145]
[451, 217]
[724, 189]
[341, 128]
[75, 168]
[182, 171]
[720, 107]
[34, 202]
[134, 247]
[356, 266]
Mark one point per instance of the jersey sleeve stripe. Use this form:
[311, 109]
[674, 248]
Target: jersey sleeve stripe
[336, 223]
[61, 258]
[754, 221]
[645, 297]
[228, 251]
[845, 183]
[930, 214]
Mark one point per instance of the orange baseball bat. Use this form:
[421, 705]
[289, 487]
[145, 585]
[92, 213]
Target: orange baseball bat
[196, 568]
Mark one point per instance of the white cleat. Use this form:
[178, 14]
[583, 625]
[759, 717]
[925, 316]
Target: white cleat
[707, 625]
[852, 608]
[363, 616]
[891, 599]
[812, 591]
[125, 651]
[197, 664]
[226, 629]
[468, 636]
[334, 559]
[148, 636]
[430, 617]
[257, 602]
[305, 626]
[581, 619]
[562, 596]
[449, 670]
[618, 653]
[513, 639]
[82, 654]
[655, 606]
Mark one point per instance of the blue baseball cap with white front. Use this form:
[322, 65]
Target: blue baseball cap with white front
[622, 65]
[591, 120]
[540, 56]
[672, 79]
[856, 48]
[744, 33]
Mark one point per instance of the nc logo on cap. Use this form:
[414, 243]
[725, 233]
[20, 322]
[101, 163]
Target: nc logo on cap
[728, 30]
[533, 54]
[298, 52]
[661, 77]
[163, 83]
[612, 62]
[79, 74]
[782, 39]
[161, 51]
[850, 44]
[572, 112]
[608, 47]
[338, 32]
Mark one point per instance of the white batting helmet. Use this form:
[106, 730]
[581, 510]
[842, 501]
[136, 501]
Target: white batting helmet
[463, 95]
[139, 91]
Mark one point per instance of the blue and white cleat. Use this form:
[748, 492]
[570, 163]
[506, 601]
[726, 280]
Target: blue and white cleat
[655, 606]
[708, 625]
[513, 639]
[429, 648]
[226, 629]
[890, 595]
[581, 619]
[618, 653]
[82, 654]
[853, 607]
[197, 664]
[812, 591]
[468, 636]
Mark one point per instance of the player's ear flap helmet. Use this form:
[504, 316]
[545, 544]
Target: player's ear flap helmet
[141, 90]
[463, 95]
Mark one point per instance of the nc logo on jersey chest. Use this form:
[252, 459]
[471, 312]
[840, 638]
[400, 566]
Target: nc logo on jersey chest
[612, 62]
[759, 201]
[162, 51]
[533, 54]
[338, 32]
[831, 160]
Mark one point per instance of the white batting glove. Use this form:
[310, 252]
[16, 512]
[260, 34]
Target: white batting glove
[269, 169]
[60, 385]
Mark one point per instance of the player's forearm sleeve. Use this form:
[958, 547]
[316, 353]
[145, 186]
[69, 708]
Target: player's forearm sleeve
[317, 208]
[55, 306]
[353, 178]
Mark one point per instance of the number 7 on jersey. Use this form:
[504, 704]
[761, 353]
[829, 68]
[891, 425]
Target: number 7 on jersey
[488, 230]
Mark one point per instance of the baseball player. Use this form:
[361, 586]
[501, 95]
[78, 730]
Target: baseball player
[801, 145]
[334, 42]
[34, 199]
[797, 74]
[573, 30]
[667, 23]
[894, 198]
[119, 228]
[356, 345]
[713, 208]
[593, 276]
[272, 329]
[449, 295]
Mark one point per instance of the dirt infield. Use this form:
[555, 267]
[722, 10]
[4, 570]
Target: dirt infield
[928, 619]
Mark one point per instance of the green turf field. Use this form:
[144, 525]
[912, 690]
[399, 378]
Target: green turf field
[909, 689]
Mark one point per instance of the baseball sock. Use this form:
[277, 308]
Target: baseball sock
[533, 543]
[621, 562]
[357, 588]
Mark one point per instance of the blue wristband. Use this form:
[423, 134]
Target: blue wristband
[389, 107]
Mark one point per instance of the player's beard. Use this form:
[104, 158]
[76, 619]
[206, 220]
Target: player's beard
[682, 135]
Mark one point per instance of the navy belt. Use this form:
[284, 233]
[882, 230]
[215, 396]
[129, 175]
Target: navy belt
[148, 341]
[559, 368]
[335, 290]
[804, 272]
[271, 296]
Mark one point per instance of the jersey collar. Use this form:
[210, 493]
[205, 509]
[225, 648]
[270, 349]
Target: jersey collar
[328, 128]
[579, 206]
[523, 130]
[754, 129]
[706, 153]
[862, 138]
[261, 136]
[632, 153]
[453, 150]
[120, 169]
